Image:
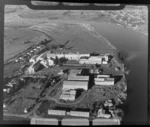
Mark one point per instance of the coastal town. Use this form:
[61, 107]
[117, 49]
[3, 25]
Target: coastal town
[62, 66]
[61, 84]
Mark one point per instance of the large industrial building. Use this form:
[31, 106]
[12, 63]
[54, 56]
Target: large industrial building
[69, 56]
[103, 76]
[82, 58]
[68, 95]
[78, 113]
[75, 85]
[94, 60]
[70, 113]
[44, 121]
[104, 81]
[57, 112]
[78, 78]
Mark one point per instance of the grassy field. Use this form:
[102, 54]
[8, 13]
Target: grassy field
[23, 24]
[34, 26]
[15, 120]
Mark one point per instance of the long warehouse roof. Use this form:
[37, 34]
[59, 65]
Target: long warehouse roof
[75, 82]
[74, 77]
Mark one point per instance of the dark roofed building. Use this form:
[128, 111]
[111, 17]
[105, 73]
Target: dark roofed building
[94, 54]
[85, 71]
[38, 66]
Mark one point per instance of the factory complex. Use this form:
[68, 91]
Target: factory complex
[84, 72]
[48, 59]
[69, 85]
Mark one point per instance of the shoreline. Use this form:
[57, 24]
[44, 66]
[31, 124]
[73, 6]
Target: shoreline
[91, 28]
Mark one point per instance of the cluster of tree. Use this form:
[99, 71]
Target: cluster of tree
[118, 113]
[44, 42]
[120, 57]
[66, 71]
[60, 61]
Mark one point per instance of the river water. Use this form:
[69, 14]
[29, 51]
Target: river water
[135, 47]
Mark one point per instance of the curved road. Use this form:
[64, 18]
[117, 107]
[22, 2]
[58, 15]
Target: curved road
[33, 114]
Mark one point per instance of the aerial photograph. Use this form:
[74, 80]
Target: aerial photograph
[75, 66]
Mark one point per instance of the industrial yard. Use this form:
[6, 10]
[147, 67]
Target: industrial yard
[67, 70]
[68, 85]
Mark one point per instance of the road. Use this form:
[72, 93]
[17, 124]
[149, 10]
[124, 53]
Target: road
[71, 103]
[33, 114]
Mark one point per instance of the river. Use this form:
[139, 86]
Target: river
[135, 47]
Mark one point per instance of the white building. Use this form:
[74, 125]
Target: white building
[25, 110]
[45, 63]
[69, 56]
[33, 59]
[84, 55]
[94, 60]
[103, 76]
[9, 84]
[75, 85]
[4, 105]
[69, 97]
[79, 113]
[107, 81]
[108, 103]
[31, 70]
[72, 56]
[106, 57]
[91, 60]
[44, 121]
[104, 62]
[78, 78]
[50, 62]
[16, 61]
[57, 112]
[99, 79]
[83, 61]
[6, 90]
